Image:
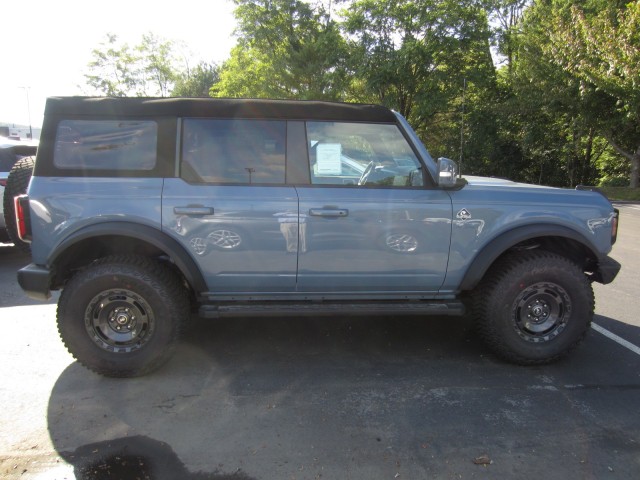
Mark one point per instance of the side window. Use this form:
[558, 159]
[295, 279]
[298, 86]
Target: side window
[106, 145]
[361, 154]
[233, 151]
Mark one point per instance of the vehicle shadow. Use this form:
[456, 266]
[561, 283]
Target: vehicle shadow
[135, 457]
[267, 394]
[322, 397]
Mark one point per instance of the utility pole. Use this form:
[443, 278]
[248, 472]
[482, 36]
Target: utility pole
[26, 89]
[250, 171]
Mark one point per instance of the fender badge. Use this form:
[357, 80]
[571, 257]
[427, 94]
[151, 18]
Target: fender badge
[463, 214]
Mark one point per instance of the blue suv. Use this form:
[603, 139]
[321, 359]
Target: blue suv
[142, 210]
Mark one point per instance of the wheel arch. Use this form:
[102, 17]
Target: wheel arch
[100, 240]
[555, 238]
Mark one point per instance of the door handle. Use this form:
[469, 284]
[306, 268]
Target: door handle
[193, 210]
[329, 212]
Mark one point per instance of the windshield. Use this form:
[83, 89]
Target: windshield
[417, 143]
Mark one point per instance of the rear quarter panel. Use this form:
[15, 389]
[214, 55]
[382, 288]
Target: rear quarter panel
[61, 206]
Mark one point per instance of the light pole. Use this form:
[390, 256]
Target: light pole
[26, 89]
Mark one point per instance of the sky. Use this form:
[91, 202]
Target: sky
[47, 44]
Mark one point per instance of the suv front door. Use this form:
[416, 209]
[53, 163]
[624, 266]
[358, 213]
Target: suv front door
[381, 232]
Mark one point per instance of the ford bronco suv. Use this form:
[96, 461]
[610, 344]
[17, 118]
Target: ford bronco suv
[146, 210]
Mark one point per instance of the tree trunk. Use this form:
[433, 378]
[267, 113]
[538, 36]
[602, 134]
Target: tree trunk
[585, 175]
[634, 158]
[635, 167]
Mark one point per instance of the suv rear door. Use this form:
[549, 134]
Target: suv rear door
[230, 207]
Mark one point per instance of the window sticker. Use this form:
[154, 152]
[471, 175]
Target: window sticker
[328, 156]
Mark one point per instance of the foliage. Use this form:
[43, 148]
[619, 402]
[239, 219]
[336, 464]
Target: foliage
[156, 66]
[196, 82]
[600, 49]
[548, 114]
[286, 49]
[112, 70]
[622, 193]
[507, 14]
[414, 55]
[147, 69]
[429, 60]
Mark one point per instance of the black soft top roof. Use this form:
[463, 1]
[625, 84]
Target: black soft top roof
[216, 108]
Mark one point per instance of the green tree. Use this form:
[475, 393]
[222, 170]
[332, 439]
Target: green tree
[506, 16]
[286, 49]
[416, 56]
[111, 71]
[543, 120]
[601, 50]
[147, 69]
[156, 66]
[197, 81]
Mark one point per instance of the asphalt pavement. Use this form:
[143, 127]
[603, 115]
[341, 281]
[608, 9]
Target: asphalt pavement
[330, 398]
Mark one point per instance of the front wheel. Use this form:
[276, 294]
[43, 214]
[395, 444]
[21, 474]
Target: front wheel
[533, 307]
[122, 315]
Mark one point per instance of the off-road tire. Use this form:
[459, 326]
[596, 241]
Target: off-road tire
[123, 315]
[17, 183]
[533, 307]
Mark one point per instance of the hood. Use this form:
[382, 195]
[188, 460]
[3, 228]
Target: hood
[500, 182]
[502, 190]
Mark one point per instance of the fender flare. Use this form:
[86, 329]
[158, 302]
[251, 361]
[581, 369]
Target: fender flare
[505, 240]
[180, 257]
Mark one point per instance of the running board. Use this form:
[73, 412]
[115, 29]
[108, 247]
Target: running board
[444, 308]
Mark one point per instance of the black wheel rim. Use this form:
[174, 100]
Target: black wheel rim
[541, 312]
[119, 321]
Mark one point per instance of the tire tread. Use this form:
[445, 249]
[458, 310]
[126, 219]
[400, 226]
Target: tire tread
[497, 277]
[17, 183]
[157, 276]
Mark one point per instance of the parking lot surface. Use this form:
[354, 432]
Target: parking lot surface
[331, 398]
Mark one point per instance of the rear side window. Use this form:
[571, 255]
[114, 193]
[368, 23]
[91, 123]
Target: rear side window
[106, 145]
[233, 151]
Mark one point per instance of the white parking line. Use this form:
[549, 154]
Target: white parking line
[616, 338]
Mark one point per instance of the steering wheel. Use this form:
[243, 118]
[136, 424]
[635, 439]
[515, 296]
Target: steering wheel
[367, 171]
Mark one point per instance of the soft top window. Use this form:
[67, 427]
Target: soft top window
[233, 151]
[106, 145]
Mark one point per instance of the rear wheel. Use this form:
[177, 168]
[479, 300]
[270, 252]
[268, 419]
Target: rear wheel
[17, 183]
[122, 315]
[533, 307]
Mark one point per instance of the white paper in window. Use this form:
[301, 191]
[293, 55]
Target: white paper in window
[328, 157]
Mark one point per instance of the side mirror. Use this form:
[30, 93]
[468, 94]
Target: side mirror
[447, 172]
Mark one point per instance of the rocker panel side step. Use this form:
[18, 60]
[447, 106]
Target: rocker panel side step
[444, 308]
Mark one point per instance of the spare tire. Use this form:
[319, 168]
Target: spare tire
[17, 183]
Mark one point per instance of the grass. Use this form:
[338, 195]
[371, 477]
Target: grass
[622, 193]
